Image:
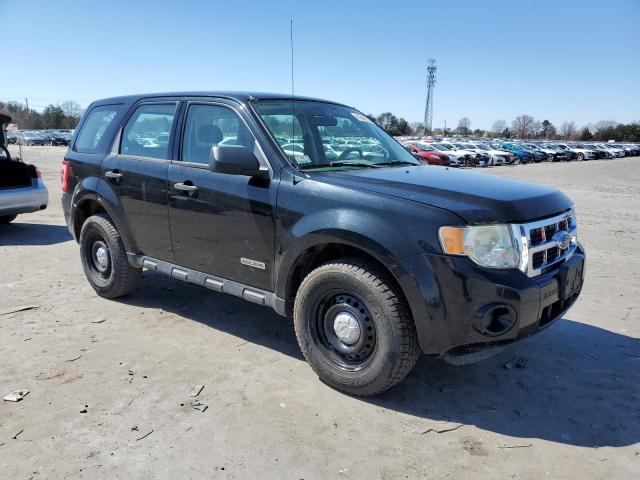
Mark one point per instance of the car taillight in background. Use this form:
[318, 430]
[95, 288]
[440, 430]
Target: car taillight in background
[64, 176]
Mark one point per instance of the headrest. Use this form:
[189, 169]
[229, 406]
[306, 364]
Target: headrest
[209, 134]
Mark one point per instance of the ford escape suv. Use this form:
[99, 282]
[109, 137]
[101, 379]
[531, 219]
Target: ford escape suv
[309, 208]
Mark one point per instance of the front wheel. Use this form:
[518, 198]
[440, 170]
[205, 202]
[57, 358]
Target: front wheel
[353, 328]
[104, 258]
[580, 157]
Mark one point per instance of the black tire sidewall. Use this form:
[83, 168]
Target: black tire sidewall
[90, 230]
[379, 371]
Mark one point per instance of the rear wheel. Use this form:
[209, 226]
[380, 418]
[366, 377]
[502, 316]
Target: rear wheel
[353, 328]
[104, 258]
[7, 219]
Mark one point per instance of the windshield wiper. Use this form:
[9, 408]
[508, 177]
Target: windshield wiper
[397, 162]
[339, 163]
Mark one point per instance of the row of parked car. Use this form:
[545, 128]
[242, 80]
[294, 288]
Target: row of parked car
[40, 137]
[481, 154]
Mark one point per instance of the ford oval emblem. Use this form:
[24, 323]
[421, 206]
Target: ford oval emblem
[563, 239]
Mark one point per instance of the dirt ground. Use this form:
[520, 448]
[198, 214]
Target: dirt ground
[110, 381]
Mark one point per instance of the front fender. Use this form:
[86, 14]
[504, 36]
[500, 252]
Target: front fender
[352, 228]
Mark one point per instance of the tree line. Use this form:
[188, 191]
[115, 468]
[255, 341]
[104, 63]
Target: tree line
[64, 115]
[67, 114]
[522, 127]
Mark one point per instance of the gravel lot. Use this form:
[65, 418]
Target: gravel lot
[110, 381]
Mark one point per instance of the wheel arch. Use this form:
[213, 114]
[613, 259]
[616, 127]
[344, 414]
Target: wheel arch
[315, 253]
[87, 202]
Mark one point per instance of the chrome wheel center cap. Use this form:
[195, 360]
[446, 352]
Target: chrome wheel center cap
[102, 256]
[347, 328]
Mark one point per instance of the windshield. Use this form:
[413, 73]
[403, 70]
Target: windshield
[423, 147]
[329, 137]
[443, 147]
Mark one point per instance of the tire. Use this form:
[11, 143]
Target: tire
[104, 258]
[580, 157]
[7, 219]
[386, 348]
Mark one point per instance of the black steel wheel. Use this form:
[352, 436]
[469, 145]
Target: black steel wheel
[344, 331]
[104, 258]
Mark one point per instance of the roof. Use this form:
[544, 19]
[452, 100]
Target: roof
[237, 96]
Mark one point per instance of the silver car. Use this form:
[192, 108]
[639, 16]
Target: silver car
[22, 189]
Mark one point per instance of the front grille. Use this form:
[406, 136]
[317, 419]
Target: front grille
[539, 235]
[545, 246]
[538, 259]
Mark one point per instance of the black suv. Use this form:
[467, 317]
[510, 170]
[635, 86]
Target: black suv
[376, 256]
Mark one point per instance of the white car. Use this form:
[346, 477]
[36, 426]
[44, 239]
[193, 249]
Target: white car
[583, 153]
[498, 157]
[616, 152]
[457, 156]
[501, 157]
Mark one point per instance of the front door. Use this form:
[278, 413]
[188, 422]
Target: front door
[137, 172]
[221, 224]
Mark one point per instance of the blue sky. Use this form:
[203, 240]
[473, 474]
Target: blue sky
[561, 60]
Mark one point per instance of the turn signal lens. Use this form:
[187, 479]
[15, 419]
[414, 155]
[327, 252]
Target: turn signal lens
[452, 240]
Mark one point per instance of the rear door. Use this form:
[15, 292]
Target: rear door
[221, 224]
[136, 170]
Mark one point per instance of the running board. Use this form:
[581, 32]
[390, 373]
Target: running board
[217, 284]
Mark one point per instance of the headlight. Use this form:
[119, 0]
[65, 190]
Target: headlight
[491, 246]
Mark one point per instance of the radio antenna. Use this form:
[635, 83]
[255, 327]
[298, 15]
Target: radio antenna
[293, 117]
[291, 42]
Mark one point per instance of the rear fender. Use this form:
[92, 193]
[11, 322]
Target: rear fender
[99, 191]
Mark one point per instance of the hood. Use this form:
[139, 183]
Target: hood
[462, 151]
[476, 197]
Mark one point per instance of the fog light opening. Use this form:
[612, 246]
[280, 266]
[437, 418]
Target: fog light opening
[493, 320]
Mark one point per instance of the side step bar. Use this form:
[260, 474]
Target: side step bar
[217, 284]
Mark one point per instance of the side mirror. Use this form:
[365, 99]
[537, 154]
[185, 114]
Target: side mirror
[235, 160]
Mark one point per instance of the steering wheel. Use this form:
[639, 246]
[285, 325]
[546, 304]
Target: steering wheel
[349, 150]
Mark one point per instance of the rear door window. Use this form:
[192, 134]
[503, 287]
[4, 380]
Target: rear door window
[147, 132]
[93, 128]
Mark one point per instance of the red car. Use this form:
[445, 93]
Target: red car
[429, 154]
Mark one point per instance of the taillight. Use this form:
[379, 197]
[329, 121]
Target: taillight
[34, 172]
[64, 176]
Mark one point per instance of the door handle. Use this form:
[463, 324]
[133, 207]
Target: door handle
[183, 187]
[113, 174]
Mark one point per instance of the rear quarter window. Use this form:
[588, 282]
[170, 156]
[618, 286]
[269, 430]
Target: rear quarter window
[94, 127]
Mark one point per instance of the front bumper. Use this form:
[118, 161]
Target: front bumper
[447, 296]
[15, 201]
